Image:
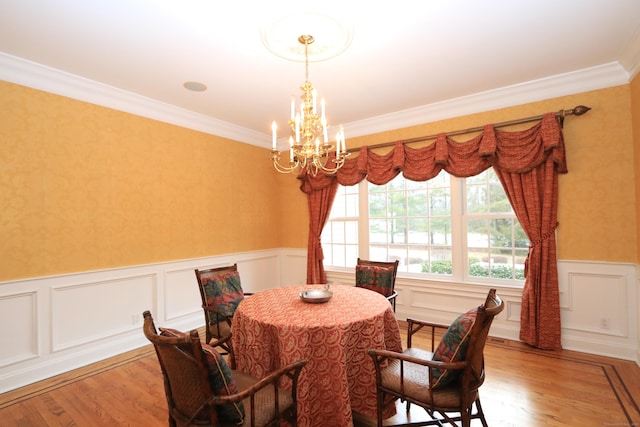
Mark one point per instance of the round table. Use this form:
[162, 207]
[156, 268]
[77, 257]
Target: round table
[275, 327]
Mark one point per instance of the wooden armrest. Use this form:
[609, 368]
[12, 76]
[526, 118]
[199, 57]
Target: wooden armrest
[292, 371]
[414, 325]
[379, 356]
[429, 324]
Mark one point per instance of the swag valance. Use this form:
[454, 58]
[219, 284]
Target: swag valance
[510, 151]
[527, 163]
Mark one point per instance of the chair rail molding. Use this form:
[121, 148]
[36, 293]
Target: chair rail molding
[63, 322]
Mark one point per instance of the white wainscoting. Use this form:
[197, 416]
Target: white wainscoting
[55, 324]
[599, 305]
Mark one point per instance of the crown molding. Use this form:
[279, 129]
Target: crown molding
[37, 76]
[600, 77]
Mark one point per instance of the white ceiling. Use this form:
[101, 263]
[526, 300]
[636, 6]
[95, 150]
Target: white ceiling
[409, 62]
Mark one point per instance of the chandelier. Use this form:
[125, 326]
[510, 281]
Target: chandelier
[309, 146]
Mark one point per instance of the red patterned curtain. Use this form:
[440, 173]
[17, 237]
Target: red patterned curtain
[319, 202]
[527, 163]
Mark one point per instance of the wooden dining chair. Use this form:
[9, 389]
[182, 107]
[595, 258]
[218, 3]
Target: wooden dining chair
[444, 381]
[221, 292]
[201, 389]
[378, 276]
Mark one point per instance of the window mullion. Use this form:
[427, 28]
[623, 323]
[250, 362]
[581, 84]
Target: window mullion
[458, 229]
[363, 221]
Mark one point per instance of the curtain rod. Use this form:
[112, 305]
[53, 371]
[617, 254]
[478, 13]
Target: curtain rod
[560, 115]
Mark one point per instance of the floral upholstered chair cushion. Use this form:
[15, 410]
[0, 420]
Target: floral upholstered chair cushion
[453, 347]
[223, 292]
[375, 278]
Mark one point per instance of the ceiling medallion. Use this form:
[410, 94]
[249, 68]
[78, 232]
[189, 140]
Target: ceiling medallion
[332, 36]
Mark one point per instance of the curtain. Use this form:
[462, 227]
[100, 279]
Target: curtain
[319, 202]
[534, 196]
[527, 163]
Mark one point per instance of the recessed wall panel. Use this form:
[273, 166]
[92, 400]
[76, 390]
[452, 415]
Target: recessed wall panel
[87, 312]
[19, 330]
[598, 303]
[181, 294]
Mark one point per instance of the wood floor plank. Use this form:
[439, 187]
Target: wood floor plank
[524, 387]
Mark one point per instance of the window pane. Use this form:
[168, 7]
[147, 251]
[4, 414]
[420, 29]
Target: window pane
[440, 262]
[338, 254]
[378, 231]
[338, 208]
[440, 231]
[351, 231]
[398, 230]
[418, 231]
[478, 234]
[417, 203]
[439, 201]
[351, 205]
[377, 205]
[351, 255]
[476, 199]
[337, 232]
[520, 238]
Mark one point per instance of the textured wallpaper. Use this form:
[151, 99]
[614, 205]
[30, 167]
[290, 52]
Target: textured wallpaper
[84, 187]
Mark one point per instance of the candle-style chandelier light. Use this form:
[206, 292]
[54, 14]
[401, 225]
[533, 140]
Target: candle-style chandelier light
[309, 146]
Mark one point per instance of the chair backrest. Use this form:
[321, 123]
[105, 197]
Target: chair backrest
[364, 276]
[186, 378]
[221, 288]
[474, 375]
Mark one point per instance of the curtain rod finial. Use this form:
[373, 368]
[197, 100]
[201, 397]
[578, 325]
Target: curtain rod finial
[580, 110]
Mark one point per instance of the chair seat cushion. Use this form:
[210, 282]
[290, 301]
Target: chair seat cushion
[375, 278]
[415, 379]
[223, 292]
[264, 406]
[222, 380]
[453, 347]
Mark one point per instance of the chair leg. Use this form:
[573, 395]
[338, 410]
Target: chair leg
[465, 417]
[380, 396]
[480, 413]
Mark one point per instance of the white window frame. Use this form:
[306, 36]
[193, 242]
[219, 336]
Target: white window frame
[459, 254]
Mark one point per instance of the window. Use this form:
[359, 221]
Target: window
[447, 228]
[496, 245]
[341, 229]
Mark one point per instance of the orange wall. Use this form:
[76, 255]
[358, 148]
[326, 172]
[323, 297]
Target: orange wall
[635, 112]
[84, 187]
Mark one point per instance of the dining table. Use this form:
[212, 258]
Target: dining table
[275, 327]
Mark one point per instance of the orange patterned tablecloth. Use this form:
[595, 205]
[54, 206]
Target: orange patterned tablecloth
[275, 327]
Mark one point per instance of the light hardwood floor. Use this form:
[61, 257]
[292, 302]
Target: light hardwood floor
[524, 387]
